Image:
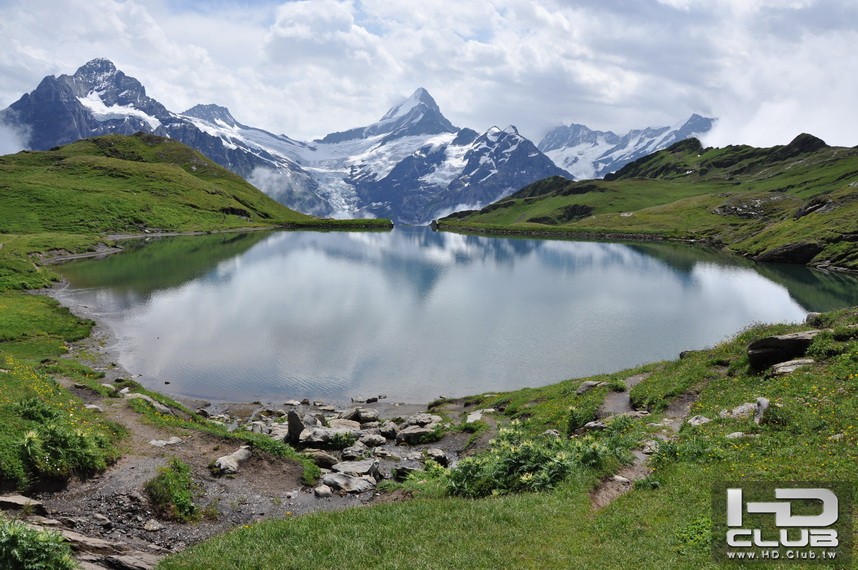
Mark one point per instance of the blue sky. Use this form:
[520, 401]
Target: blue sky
[768, 69]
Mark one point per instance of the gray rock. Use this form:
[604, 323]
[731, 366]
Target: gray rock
[258, 427]
[293, 403]
[735, 435]
[414, 434]
[650, 447]
[588, 385]
[321, 435]
[152, 526]
[164, 443]
[762, 408]
[280, 432]
[110, 387]
[414, 456]
[356, 451]
[698, 421]
[134, 561]
[350, 414]
[388, 429]
[594, 426]
[551, 433]
[423, 420]
[313, 420]
[228, 464]
[321, 458]
[344, 424]
[438, 456]
[347, 483]
[836, 437]
[359, 468]
[372, 439]
[327, 409]
[159, 407]
[370, 425]
[94, 408]
[790, 366]
[813, 319]
[385, 454]
[367, 415]
[401, 472]
[323, 492]
[621, 479]
[740, 412]
[780, 348]
[477, 415]
[20, 502]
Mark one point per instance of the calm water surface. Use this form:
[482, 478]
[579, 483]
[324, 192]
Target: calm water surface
[414, 315]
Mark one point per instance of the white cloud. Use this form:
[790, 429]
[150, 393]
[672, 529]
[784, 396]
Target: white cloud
[769, 69]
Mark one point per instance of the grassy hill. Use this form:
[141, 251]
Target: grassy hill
[796, 203]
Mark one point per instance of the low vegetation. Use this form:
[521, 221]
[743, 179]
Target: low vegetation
[171, 492]
[22, 548]
[796, 203]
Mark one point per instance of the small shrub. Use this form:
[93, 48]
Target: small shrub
[22, 548]
[578, 418]
[825, 345]
[343, 440]
[648, 483]
[171, 492]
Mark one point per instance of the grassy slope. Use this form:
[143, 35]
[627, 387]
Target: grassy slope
[739, 196]
[69, 199]
[663, 525]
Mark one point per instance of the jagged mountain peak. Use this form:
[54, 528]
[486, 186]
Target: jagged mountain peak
[99, 65]
[419, 114]
[212, 113]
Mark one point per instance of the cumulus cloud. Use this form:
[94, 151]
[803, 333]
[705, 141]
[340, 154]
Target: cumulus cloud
[767, 68]
[13, 138]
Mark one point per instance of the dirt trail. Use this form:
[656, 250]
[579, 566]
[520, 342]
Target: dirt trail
[619, 403]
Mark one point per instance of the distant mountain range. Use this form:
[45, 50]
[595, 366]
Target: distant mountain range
[412, 165]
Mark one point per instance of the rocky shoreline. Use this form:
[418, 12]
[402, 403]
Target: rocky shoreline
[110, 521]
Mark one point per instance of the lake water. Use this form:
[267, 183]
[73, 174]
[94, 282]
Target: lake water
[414, 315]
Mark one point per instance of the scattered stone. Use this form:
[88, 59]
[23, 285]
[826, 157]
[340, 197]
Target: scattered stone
[780, 348]
[414, 434]
[294, 426]
[621, 479]
[736, 435]
[698, 421]
[102, 520]
[372, 439]
[477, 415]
[164, 443]
[293, 403]
[323, 492]
[414, 456]
[43, 521]
[388, 429]
[371, 400]
[594, 426]
[762, 408]
[280, 432]
[81, 543]
[20, 502]
[305, 402]
[365, 415]
[740, 412]
[813, 319]
[110, 387]
[371, 425]
[94, 408]
[228, 464]
[356, 451]
[650, 447]
[159, 407]
[438, 456]
[401, 472]
[359, 468]
[836, 437]
[134, 561]
[258, 427]
[552, 433]
[321, 458]
[790, 366]
[588, 385]
[152, 526]
[321, 435]
[327, 409]
[344, 424]
[347, 483]
[385, 454]
[423, 420]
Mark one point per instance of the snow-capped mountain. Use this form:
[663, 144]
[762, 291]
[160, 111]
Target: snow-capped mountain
[593, 154]
[412, 165]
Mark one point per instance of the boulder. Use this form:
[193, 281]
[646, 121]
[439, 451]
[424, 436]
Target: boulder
[280, 432]
[780, 348]
[698, 421]
[164, 443]
[228, 464]
[359, 468]
[790, 366]
[388, 429]
[323, 491]
[422, 420]
[322, 435]
[347, 483]
[321, 458]
[650, 447]
[94, 408]
[438, 456]
[344, 424]
[594, 426]
[740, 412]
[356, 451]
[294, 426]
[401, 472]
[372, 439]
[414, 434]
[159, 407]
[366, 415]
[20, 502]
[588, 385]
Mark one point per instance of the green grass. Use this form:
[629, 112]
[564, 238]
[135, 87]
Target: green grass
[23, 548]
[747, 200]
[811, 434]
[171, 492]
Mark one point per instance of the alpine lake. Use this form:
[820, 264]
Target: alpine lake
[413, 314]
